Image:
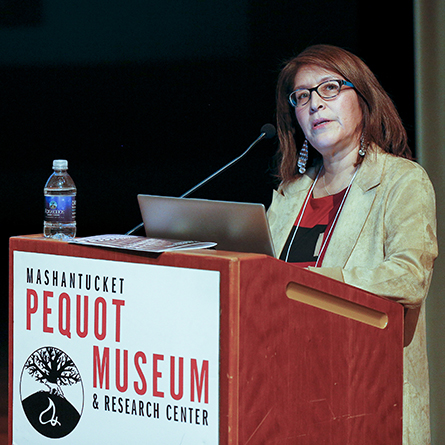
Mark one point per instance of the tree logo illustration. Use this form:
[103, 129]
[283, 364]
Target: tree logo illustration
[51, 392]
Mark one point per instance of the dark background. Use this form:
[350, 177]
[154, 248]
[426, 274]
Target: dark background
[146, 97]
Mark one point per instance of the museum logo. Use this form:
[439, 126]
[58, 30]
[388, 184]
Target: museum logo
[51, 392]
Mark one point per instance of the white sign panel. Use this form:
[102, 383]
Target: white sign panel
[114, 353]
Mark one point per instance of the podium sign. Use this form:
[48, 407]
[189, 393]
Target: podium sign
[114, 352]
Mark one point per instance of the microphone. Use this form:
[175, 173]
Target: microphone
[268, 131]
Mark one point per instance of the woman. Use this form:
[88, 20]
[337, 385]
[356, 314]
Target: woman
[352, 204]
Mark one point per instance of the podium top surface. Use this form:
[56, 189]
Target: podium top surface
[50, 244]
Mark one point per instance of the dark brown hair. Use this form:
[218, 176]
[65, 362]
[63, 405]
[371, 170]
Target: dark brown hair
[381, 123]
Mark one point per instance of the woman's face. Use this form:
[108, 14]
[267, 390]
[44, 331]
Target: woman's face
[330, 125]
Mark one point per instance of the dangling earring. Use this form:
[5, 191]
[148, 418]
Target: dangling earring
[363, 146]
[303, 157]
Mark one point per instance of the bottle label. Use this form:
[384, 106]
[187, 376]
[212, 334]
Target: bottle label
[60, 208]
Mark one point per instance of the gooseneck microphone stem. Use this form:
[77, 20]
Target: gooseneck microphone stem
[267, 132]
[214, 175]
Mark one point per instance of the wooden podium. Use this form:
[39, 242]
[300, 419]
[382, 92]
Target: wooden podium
[298, 358]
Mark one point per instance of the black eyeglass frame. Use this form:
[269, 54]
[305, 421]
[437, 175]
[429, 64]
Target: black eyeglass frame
[341, 83]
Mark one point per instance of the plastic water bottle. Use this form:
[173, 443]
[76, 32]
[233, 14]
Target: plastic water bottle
[60, 203]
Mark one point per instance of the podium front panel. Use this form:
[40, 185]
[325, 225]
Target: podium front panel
[114, 352]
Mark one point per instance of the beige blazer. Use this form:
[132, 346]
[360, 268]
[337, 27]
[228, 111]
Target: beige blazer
[385, 243]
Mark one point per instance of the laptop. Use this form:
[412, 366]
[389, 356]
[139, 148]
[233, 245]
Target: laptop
[234, 226]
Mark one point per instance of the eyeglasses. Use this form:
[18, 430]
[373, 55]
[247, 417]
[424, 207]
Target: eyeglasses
[326, 90]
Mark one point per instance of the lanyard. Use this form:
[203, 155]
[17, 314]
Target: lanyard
[333, 223]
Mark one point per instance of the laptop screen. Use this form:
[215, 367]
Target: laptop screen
[234, 226]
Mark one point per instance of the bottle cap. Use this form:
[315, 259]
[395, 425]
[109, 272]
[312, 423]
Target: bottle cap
[60, 164]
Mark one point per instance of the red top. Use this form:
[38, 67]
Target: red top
[306, 244]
